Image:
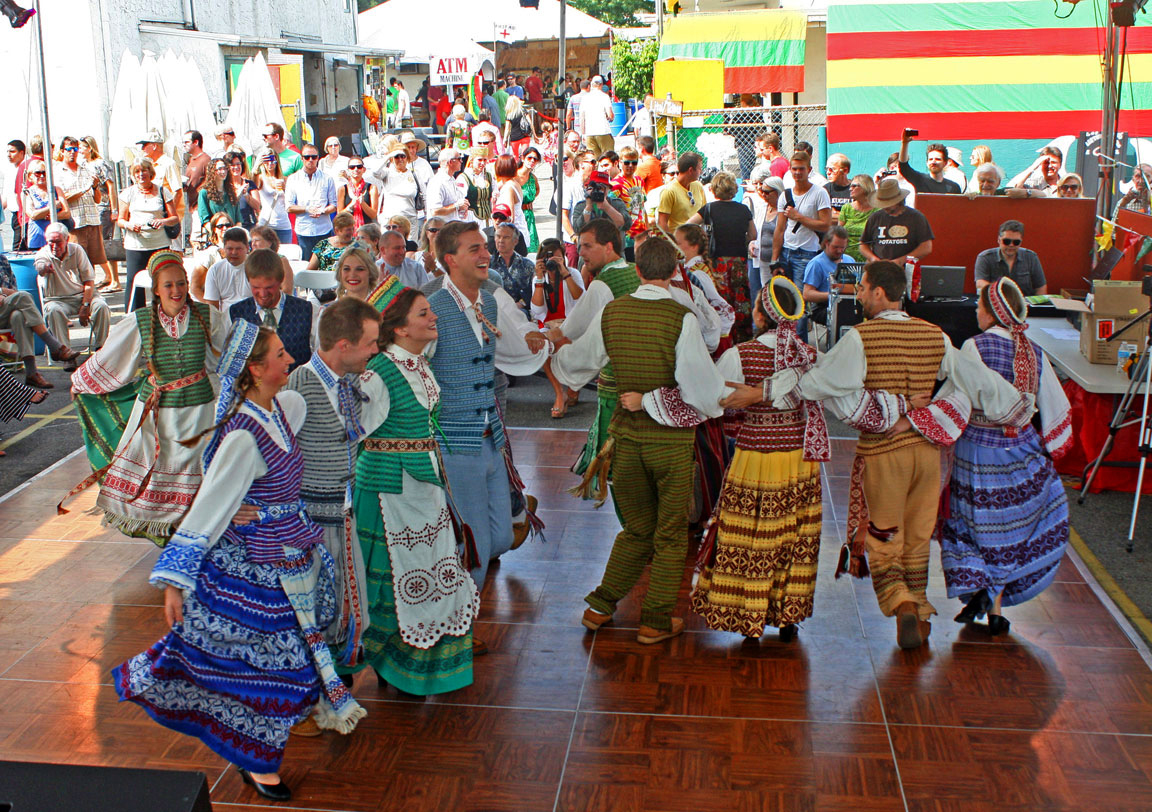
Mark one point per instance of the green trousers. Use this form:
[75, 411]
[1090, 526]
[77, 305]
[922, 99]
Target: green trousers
[652, 488]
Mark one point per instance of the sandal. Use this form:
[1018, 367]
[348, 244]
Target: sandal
[574, 398]
[559, 411]
[39, 396]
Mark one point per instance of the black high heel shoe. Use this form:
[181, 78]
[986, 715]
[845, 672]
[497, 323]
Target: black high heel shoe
[977, 606]
[788, 632]
[998, 624]
[273, 792]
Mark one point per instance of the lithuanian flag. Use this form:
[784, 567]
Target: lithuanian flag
[978, 70]
[763, 51]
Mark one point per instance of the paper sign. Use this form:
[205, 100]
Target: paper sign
[451, 70]
[1104, 328]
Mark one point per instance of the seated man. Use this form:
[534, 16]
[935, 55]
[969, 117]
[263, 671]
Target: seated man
[988, 179]
[1009, 259]
[68, 287]
[20, 316]
[392, 261]
[896, 232]
[818, 275]
[225, 283]
[934, 182]
[294, 319]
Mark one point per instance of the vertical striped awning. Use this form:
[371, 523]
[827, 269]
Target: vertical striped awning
[976, 70]
[762, 51]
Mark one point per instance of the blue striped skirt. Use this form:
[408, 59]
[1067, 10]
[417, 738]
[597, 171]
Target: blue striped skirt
[1008, 523]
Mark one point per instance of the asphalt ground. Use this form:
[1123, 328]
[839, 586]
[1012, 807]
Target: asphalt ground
[50, 431]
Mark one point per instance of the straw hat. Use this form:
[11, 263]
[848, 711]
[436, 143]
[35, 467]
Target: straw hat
[407, 138]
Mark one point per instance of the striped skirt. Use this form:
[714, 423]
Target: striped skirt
[767, 544]
[15, 397]
[1008, 522]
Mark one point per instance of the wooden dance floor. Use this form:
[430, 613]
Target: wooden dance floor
[1055, 716]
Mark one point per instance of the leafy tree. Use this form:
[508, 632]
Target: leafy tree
[364, 5]
[618, 13]
[633, 63]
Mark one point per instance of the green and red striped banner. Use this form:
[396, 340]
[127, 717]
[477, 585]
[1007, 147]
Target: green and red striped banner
[976, 70]
[762, 51]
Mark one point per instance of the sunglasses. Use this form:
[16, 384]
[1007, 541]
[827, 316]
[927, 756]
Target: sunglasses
[39, 174]
[431, 230]
[355, 166]
[269, 159]
[391, 227]
[853, 185]
[1006, 241]
[267, 135]
[629, 163]
[71, 149]
[1070, 187]
[691, 199]
[310, 157]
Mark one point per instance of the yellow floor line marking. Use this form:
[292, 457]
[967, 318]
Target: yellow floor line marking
[1109, 585]
[39, 424]
[53, 416]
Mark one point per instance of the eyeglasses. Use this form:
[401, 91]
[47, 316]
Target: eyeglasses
[1070, 187]
[629, 163]
[853, 185]
[310, 157]
[1006, 241]
[355, 166]
[391, 227]
[71, 149]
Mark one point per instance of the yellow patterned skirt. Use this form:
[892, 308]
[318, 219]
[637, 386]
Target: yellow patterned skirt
[767, 544]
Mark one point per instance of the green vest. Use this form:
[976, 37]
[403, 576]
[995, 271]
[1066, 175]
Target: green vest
[622, 281]
[176, 358]
[381, 471]
[640, 336]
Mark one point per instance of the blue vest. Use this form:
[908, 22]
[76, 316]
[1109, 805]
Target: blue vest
[295, 328]
[465, 370]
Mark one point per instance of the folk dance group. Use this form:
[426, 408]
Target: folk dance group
[328, 500]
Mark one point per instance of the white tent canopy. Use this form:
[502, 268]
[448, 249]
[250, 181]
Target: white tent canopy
[254, 104]
[404, 25]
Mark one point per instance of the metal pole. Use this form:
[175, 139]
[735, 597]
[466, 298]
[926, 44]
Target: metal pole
[660, 18]
[44, 114]
[1108, 125]
[560, 119]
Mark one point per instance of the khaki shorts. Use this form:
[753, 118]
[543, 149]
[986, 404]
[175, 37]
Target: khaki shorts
[91, 240]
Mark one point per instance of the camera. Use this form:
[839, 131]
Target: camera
[552, 265]
[911, 133]
[595, 192]
[887, 173]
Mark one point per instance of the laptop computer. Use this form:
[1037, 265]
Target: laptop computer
[942, 282]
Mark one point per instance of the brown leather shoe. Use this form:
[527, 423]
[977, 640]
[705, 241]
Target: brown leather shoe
[307, 728]
[648, 635]
[65, 353]
[593, 620]
[479, 647]
[925, 630]
[36, 380]
[908, 626]
[520, 531]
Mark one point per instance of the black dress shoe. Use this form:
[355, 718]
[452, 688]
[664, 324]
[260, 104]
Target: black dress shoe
[998, 624]
[788, 632]
[347, 680]
[977, 606]
[273, 792]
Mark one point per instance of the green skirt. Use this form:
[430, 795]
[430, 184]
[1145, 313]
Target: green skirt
[446, 666]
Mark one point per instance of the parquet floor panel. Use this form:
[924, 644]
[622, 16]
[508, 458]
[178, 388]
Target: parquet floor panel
[1056, 715]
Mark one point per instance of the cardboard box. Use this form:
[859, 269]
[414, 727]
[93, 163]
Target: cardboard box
[1115, 303]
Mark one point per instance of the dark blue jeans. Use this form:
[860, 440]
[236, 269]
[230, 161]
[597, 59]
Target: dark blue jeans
[308, 243]
[796, 260]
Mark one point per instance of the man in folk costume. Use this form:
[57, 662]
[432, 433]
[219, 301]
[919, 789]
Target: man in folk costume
[477, 331]
[1007, 527]
[895, 486]
[294, 319]
[656, 350]
[600, 247]
[345, 404]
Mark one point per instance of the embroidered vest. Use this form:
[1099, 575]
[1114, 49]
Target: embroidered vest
[764, 428]
[176, 358]
[903, 358]
[295, 328]
[465, 369]
[640, 336]
[621, 281]
[381, 471]
[324, 444]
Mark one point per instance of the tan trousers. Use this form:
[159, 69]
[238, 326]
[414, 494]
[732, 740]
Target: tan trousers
[59, 310]
[19, 315]
[902, 489]
[599, 144]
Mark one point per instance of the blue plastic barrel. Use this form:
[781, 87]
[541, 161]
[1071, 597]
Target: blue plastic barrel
[619, 118]
[24, 269]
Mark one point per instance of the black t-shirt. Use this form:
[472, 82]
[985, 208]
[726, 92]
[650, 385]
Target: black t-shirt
[890, 237]
[729, 221]
[520, 128]
[925, 183]
[840, 196]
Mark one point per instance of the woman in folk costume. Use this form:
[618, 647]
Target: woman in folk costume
[693, 243]
[761, 568]
[147, 478]
[246, 659]
[1007, 526]
[422, 600]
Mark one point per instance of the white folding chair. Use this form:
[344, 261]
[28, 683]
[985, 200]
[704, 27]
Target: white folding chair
[290, 251]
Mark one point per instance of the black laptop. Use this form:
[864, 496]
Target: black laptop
[942, 282]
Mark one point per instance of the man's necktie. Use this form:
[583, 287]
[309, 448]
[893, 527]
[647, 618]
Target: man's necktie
[487, 328]
[349, 393]
[269, 319]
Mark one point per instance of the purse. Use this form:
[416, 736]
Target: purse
[114, 247]
[173, 231]
[418, 202]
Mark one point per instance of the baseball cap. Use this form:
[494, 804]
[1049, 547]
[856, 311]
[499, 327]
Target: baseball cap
[503, 209]
[151, 137]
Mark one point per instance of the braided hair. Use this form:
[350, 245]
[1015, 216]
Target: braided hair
[694, 235]
[245, 383]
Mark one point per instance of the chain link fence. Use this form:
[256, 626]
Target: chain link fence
[727, 138]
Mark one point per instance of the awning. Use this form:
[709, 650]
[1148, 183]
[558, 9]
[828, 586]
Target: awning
[762, 51]
[283, 44]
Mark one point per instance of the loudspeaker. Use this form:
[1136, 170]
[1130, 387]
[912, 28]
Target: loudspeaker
[29, 787]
